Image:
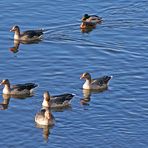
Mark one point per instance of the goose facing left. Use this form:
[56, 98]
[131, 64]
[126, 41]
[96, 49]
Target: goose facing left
[18, 89]
[57, 101]
[95, 84]
[29, 35]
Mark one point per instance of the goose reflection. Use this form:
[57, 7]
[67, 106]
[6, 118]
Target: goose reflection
[86, 28]
[87, 95]
[46, 130]
[15, 48]
[17, 43]
[6, 99]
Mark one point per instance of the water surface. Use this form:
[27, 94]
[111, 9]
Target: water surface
[113, 118]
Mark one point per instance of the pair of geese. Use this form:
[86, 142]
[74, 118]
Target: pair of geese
[34, 35]
[44, 117]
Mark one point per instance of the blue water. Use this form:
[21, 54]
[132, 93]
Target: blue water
[117, 117]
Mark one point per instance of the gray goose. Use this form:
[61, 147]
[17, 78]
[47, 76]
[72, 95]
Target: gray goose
[29, 35]
[95, 84]
[56, 101]
[18, 89]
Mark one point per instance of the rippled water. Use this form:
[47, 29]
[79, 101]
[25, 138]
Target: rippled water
[114, 118]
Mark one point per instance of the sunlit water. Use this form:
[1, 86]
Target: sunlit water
[117, 117]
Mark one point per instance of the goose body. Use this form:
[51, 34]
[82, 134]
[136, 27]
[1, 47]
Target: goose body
[18, 89]
[44, 117]
[95, 84]
[62, 100]
[29, 35]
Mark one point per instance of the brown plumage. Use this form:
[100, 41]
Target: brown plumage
[29, 35]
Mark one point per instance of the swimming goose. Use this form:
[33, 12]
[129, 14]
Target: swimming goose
[45, 117]
[95, 84]
[18, 89]
[91, 19]
[29, 35]
[62, 100]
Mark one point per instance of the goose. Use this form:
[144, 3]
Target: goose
[18, 89]
[95, 84]
[87, 27]
[44, 117]
[56, 101]
[29, 35]
[91, 19]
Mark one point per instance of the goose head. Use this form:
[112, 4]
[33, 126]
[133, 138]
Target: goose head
[85, 76]
[5, 82]
[46, 99]
[15, 28]
[85, 17]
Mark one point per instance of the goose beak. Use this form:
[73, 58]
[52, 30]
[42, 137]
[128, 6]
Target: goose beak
[1, 82]
[81, 77]
[12, 29]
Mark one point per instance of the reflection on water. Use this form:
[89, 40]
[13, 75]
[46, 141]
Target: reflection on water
[87, 95]
[46, 130]
[22, 96]
[15, 47]
[16, 44]
[62, 108]
[6, 99]
[87, 29]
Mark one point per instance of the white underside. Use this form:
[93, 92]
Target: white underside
[88, 85]
[6, 91]
[43, 120]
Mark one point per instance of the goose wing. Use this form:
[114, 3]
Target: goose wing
[27, 86]
[60, 99]
[100, 81]
[32, 33]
